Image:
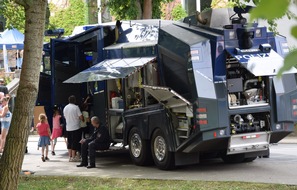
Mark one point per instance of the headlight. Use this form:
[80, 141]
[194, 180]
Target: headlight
[278, 126]
[232, 35]
[258, 33]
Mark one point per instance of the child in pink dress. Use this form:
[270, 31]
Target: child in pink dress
[57, 129]
[43, 129]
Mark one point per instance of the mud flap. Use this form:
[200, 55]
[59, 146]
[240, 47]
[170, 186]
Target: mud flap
[248, 142]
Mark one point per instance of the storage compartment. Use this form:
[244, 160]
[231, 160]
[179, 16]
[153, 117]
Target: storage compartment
[183, 128]
[116, 124]
[251, 122]
[119, 131]
[244, 88]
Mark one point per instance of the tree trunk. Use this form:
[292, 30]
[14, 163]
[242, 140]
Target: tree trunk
[12, 158]
[147, 9]
[138, 5]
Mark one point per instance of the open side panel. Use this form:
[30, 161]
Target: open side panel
[166, 96]
[180, 108]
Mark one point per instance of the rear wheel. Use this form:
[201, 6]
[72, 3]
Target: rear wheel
[162, 157]
[139, 148]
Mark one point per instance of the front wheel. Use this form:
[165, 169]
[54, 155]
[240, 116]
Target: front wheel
[139, 148]
[163, 159]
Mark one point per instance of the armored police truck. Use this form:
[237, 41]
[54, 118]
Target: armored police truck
[178, 91]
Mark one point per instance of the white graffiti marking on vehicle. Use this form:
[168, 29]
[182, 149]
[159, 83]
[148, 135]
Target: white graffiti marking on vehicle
[146, 33]
[249, 56]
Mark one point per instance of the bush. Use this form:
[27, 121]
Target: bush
[178, 12]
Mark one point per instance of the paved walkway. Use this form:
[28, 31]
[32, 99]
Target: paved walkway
[106, 163]
[60, 165]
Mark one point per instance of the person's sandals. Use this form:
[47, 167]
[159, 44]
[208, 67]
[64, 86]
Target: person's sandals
[46, 158]
[53, 153]
[42, 158]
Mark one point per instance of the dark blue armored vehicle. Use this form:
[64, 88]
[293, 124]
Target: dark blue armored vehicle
[176, 92]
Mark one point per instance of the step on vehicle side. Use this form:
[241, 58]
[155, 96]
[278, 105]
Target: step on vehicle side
[176, 92]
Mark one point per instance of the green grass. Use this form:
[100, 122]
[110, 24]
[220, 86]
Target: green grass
[86, 183]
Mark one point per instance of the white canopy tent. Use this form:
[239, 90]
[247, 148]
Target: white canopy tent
[11, 39]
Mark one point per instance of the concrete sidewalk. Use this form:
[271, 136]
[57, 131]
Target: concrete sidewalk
[107, 164]
[59, 164]
[119, 165]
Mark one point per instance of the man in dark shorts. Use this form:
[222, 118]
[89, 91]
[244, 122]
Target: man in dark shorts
[73, 116]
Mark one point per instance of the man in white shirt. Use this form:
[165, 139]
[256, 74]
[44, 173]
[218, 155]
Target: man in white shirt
[73, 116]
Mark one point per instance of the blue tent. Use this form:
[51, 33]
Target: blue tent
[13, 39]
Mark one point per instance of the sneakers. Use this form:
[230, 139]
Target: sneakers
[77, 154]
[74, 159]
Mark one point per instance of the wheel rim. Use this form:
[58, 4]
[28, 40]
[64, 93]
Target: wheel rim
[160, 148]
[136, 145]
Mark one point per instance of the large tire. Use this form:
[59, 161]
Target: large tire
[139, 149]
[233, 158]
[163, 159]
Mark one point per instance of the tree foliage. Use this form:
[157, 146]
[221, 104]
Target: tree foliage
[178, 12]
[133, 9]
[14, 14]
[74, 15]
[270, 9]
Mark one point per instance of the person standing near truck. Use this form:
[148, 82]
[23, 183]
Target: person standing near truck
[73, 116]
[85, 124]
[5, 115]
[3, 93]
[44, 132]
[57, 129]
